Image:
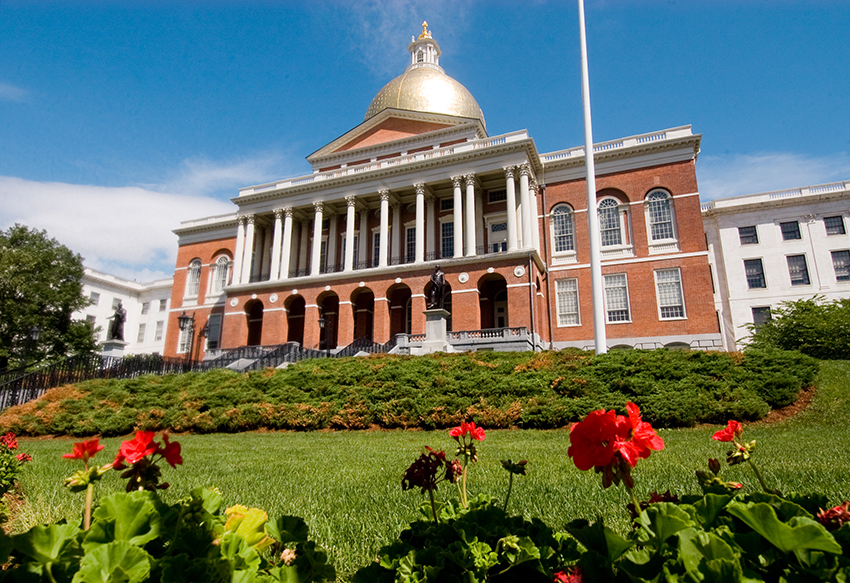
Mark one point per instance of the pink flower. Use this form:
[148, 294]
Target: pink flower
[733, 432]
[470, 429]
[84, 450]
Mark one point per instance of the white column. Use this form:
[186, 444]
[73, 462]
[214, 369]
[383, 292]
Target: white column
[457, 215]
[316, 258]
[364, 237]
[274, 274]
[510, 188]
[333, 233]
[535, 220]
[525, 201]
[430, 237]
[420, 222]
[302, 248]
[247, 260]
[286, 252]
[480, 227]
[397, 229]
[469, 179]
[348, 260]
[385, 228]
[240, 250]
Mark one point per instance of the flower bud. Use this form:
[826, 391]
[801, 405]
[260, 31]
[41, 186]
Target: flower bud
[714, 466]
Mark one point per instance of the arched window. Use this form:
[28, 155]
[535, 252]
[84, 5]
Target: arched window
[420, 57]
[563, 231]
[609, 222]
[193, 278]
[659, 212]
[221, 272]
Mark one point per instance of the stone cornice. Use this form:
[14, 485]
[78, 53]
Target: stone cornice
[776, 199]
[207, 224]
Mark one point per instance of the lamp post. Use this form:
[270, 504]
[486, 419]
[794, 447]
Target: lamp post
[204, 333]
[187, 324]
[321, 329]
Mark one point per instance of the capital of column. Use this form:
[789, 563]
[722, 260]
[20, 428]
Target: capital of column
[240, 220]
[456, 181]
[318, 205]
[509, 171]
[350, 200]
[469, 179]
[251, 219]
[524, 169]
[288, 212]
[420, 188]
[430, 199]
[395, 205]
[385, 194]
[278, 213]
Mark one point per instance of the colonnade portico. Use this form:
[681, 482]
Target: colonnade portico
[265, 244]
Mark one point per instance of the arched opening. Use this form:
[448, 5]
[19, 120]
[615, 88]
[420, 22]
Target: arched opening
[329, 314]
[363, 302]
[678, 346]
[254, 314]
[295, 307]
[493, 301]
[399, 297]
[447, 302]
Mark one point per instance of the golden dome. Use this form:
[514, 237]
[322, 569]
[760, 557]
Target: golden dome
[424, 86]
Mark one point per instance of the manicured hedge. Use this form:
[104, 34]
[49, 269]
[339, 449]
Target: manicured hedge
[532, 390]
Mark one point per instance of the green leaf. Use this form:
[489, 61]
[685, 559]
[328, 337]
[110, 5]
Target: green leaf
[45, 544]
[599, 538]
[516, 550]
[703, 553]
[130, 517]
[710, 506]
[241, 556]
[288, 529]
[312, 563]
[800, 533]
[211, 499]
[662, 520]
[116, 562]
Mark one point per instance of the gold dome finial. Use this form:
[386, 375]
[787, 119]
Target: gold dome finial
[425, 32]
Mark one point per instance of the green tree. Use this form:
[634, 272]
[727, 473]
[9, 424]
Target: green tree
[40, 286]
[813, 326]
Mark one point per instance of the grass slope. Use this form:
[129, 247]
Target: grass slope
[347, 484]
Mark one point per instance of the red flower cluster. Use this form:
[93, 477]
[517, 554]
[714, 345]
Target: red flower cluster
[733, 432]
[476, 433]
[572, 575]
[612, 443]
[423, 473]
[24, 457]
[10, 440]
[836, 517]
[84, 450]
[143, 445]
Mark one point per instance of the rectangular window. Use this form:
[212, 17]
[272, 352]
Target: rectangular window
[183, 343]
[447, 240]
[214, 336]
[755, 273]
[447, 204]
[115, 302]
[146, 307]
[141, 336]
[566, 296]
[498, 237]
[798, 270]
[760, 316]
[834, 225]
[410, 245]
[163, 305]
[790, 230]
[91, 319]
[748, 235]
[671, 301]
[497, 195]
[95, 298]
[323, 257]
[616, 298]
[157, 336]
[376, 248]
[841, 264]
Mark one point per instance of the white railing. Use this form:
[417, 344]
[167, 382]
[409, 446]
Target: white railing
[578, 151]
[762, 197]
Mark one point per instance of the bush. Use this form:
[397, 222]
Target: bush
[814, 327]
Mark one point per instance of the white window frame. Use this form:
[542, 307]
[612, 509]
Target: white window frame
[163, 305]
[659, 295]
[805, 266]
[193, 279]
[624, 247]
[832, 256]
[625, 286]
[409, 255]
[562, 294]
[843, 226]
[446, 220]
[159, 331]
[214, 335]
[666, 244]
[491, 219]
[183, 341]
[567, 255]
[146, 307]
[140, 337]
[94, 298]
[782, 233]
[763, 274]
[221, 266]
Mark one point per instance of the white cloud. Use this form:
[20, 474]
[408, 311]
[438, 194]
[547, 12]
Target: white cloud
[125, 231]
[12, 92]
[723, 176]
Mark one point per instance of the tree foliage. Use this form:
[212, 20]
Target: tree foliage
[40, 286]
[813, 326]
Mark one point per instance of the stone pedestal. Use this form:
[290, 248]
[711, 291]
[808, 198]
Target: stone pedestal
[435, 332]
[114, 348]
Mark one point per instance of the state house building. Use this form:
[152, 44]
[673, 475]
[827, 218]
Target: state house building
[347, 252]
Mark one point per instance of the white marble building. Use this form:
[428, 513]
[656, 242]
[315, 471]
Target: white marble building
[772, 247]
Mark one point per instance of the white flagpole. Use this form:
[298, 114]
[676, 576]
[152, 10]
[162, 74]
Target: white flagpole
[592, 215]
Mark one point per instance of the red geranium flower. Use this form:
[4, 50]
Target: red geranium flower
[24, 457]
[835, 517]
[636, 439]
[592, 440]
[84, 450]
[470, 429]
[733, 431]
[9, 440]
[573, 575]
[135, 449]
[171, 452]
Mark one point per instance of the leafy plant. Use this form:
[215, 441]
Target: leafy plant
[10, 465]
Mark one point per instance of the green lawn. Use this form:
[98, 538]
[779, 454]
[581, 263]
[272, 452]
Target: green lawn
[346, 485]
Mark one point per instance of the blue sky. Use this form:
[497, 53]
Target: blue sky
[118, 120]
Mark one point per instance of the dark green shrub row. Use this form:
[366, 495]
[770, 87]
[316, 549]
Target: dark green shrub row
[531, 390]
[813, 326]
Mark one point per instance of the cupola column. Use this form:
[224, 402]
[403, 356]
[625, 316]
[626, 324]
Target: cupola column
[457, 212]
[240, 250]
[274, 274]
[535, 227]
[287, 243]
[419, 256]
[525, 201]
[248, 259]
[510, 190]
[383, 237]
[316, 258]
[348, 260]
[469, 179]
